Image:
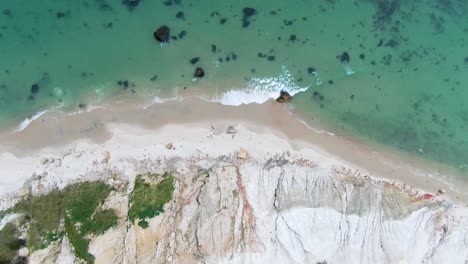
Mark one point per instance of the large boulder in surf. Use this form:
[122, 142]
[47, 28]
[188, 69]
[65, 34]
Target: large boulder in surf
[162, 34]
[284, 97]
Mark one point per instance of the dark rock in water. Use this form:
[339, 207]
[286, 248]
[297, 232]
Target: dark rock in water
[7, 12]
[162, 34]
[234, 56]
[182, 34]
[81, 105]
[30, 98]
[167, 3]
[466, 59]
[213, 48]
[330, 81]
[248, 11]
[362, 56]
[123, 84]
[222, 21]
[131, 3]
[292, 38]
[34, 88]
[311, 70]
[174, 38]
[180, 15]
[344, 57]
[284, 97]
[271, 58]
[62, 14]
[194, 60]
[199, 72]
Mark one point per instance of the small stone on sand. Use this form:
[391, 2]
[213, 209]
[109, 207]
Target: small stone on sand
[243, 154]
[169, 145]
[231, 130]
[44, 161]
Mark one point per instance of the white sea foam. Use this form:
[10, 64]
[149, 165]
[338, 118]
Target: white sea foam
[28, 121]
[260, 90]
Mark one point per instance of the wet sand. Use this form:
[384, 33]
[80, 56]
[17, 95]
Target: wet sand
[195, 126]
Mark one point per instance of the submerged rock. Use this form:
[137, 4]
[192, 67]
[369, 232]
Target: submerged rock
[249, 11]
[344, 57]
[199, 72]
[34, 88]
[162, 34]
[284, 97]
[131, 3]
[194, 60]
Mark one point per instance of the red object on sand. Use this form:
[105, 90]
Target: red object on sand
[428, 196]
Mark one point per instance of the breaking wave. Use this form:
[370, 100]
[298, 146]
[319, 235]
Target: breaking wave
[260, 90]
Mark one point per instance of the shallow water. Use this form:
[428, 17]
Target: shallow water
[405, 84]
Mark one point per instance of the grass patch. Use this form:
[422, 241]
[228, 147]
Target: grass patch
[9, 243]
[75, 206]
[45, 213]
[101, 221]
[79, 242]
[143, 224]
[148, 200]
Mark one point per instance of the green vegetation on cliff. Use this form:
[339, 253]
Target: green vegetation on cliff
[148, 199]
[71, 211]
[9, 243]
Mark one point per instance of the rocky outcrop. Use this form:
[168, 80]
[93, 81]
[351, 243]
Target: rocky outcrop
[234, 209]
[284, 97]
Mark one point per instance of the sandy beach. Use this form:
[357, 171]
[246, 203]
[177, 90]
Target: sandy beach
[194, 127]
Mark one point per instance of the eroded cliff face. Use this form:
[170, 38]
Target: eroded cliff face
[235, 210]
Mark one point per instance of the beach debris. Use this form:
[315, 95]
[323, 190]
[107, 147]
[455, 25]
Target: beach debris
[231, 130]
[199, 72]
[426, 196]
[284, 97]
[441, 191]
[162, 34]
[169, 145]
[194, 60]
[243, 154]
[44, 161]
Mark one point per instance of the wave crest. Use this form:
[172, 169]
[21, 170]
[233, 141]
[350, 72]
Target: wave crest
[260, 90]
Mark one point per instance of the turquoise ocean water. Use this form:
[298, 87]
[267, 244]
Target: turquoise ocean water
[391, 71]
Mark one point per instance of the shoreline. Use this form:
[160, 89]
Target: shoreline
[57, 133]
